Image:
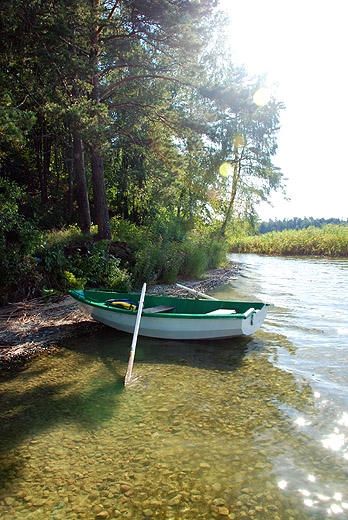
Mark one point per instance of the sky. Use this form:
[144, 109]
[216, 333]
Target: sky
[302, 46]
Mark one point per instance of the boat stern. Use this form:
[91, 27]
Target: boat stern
[253, 319]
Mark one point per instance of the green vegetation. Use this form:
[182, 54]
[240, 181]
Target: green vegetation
[297, 223]
[115, 118]
[131, 147]
[56, 261]
[18, 240]
[330, 240]
[127, 108]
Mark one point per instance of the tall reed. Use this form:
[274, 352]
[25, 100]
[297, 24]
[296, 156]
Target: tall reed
[331, 240]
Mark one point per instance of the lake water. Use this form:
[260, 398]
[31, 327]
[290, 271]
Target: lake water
[254, 428]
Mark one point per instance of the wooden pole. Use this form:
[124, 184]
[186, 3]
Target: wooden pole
[135, 337]
[196, 293]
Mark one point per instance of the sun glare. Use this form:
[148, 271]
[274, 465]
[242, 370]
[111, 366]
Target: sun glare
[226, 169]
[334, 441]
[262, 96]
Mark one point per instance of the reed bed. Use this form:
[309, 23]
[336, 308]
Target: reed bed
[331, 240]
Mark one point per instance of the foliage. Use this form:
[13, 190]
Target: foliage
[136, 237]
[14, 124]
[128, 106]
[66, 258]
[165, 260]
[203, 251]
[72, 282]
[66, 265]
[66, 236]
[161, 261]
[18, 241]
[330, 240]
[166, 249]
[242, 136]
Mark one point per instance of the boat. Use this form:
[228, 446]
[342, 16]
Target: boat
[168, 317]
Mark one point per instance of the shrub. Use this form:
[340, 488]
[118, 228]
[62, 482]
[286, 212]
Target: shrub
[74, 265]
[195, 260]
[136, 237]
[168, 259]
[18, 240]
[202, 251]
[161, 261]
[72, 282]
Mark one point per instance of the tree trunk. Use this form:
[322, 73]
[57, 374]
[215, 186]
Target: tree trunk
[236, 176]
[98, 177]
[99, 194]
[41, 162]
[81, 184]
[46, 162]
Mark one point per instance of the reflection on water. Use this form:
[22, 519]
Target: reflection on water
[253, 428]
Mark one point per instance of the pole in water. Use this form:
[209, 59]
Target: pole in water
[135, 337]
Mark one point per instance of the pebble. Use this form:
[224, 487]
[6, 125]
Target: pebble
[219, 502]
[175, 501]
[100, 452]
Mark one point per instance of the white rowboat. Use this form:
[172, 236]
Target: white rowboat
[169, 317]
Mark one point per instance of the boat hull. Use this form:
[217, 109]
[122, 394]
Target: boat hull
[215, 323]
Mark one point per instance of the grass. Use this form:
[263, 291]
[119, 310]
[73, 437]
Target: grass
[331, 240]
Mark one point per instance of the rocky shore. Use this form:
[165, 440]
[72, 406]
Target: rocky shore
[28, 329]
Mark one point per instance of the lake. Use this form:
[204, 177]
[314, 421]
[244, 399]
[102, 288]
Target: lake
[253, 428]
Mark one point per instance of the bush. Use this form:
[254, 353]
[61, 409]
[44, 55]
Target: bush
[31, 263]
[77, 264]
[135, 237]
[195, 260]
[202, 252]
[18, 240]
[159, 262]
[166, 260]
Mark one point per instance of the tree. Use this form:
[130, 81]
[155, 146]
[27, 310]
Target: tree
[34, 68]
[129, 105]
[131, 42]
[244, 137]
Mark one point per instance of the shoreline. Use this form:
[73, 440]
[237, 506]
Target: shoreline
[37, 327]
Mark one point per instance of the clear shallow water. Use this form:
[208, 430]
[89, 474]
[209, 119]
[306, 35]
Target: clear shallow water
[253, 428]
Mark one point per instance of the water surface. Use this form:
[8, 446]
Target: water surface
[250, 428]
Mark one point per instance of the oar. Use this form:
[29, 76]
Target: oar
[196, 293]
[135, 337]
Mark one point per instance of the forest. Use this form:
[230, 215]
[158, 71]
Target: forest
[297, 223]
[131, 145]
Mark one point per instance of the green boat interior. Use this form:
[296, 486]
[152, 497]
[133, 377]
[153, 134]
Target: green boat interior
[167, 305]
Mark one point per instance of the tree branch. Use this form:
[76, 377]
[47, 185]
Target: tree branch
[111, 14]
[107, 92]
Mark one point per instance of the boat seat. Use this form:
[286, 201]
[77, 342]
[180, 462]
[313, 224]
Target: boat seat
[222, 311]
[159, 308]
